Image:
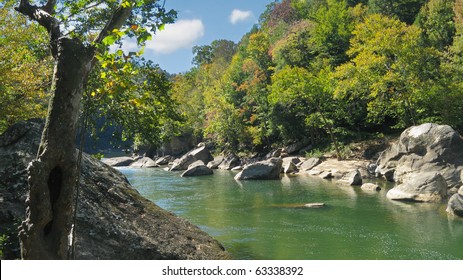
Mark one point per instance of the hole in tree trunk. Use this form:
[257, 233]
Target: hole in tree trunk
[54, 189]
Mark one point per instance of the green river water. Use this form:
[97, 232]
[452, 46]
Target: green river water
[261, 220]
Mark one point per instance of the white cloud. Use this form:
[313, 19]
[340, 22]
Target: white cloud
[238, 15]
[181, 34]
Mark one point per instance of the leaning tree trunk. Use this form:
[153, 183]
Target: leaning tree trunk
[46, 232]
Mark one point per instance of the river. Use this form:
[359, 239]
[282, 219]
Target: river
[261, 220]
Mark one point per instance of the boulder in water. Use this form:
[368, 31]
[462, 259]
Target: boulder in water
[262, 170]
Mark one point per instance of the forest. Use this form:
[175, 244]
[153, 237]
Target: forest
[322, 71]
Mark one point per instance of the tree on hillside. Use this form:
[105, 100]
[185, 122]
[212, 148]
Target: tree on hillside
[389, 73]
[79, 35]
[403, 10]
[436, 21]
[306, 99]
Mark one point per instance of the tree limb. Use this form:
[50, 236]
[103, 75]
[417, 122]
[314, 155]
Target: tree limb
[42, 17]
[118, 18]
[50, 7]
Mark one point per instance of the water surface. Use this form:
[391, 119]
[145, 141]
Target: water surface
[261, 220]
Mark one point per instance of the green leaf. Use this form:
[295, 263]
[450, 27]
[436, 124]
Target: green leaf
[109, 40]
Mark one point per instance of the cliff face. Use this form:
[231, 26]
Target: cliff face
[113, 220]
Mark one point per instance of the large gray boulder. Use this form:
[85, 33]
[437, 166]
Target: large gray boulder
[113, 220]
[423, 187]
[144, 162]
[455, 204]
[309, 164]
[261, 170]
[201, 153]
[424, 149]
[197, 168]
[290, 165]
[353, 178]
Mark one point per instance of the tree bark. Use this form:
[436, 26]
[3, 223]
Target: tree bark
[52, 177]
[46, 233]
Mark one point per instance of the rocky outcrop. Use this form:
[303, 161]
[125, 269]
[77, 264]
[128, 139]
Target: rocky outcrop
[423, 150]
[163, 160]
[201, 153]
[455, 204]
[144, 162]
[353, 178]
[229, 162]
[310, 164]
[197, 168]
[214, 164]
[113, 220]
[262, 170]
[430, 187]
[119, 161]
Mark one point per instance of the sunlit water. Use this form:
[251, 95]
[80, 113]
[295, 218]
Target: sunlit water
[260, 220]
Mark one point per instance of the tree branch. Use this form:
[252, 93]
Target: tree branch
[50, 7]
[42, 17]
[118, 18]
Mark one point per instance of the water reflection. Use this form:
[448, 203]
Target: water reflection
[256, 220]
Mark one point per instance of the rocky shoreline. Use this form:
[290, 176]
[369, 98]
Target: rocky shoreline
[426, 164]
[113, 220]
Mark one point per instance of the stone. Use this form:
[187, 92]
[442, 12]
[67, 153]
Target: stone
[353, 178]
[290, 168]
[326, 175]
[197, 169]
[315, 205]
[309, 164]
[424, 149]
[370, 187]
[237, 168]
[423, 187]
[290, 165]
[163, 160]
[182, 163]
[118, 161]
[201, 153]
[314, 172]
[229, 162]
[455, 204]
[274, 153]
[371, 168]
[262, 170]
[113, 220]
[144, 162]
[388, 174]
[214, 164]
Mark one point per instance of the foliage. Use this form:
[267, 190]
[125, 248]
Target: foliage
[25, 69]
[133, 95]
[403, 10]
[436, 21]
[130, 93]
[389, 71]
[3, 240]
[326, 68]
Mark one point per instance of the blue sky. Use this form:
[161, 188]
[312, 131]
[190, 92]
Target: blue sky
[200, 22]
